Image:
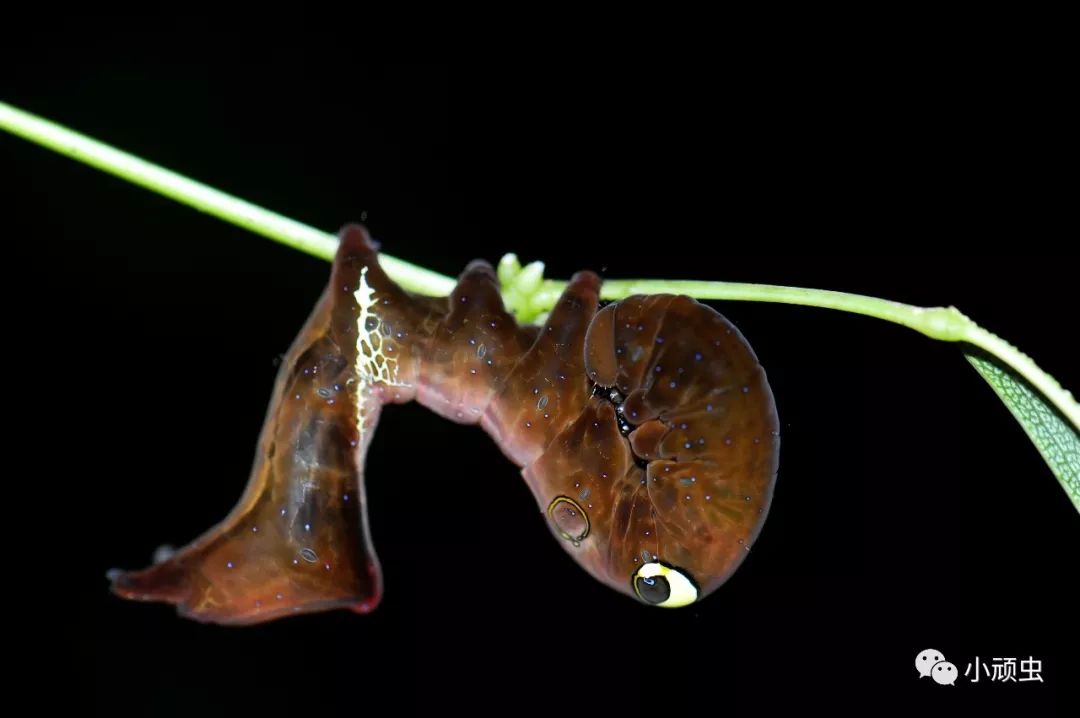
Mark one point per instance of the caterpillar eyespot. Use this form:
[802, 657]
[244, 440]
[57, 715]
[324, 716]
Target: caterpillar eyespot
[645, 429]
[660, 585]
[570, 520]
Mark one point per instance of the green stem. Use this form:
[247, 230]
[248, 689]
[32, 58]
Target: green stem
[530, 297]
[203, 198]
[942, 323]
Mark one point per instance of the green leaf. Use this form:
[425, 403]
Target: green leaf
[1054, 437]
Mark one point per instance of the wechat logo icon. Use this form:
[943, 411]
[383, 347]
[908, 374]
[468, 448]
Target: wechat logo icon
[932, 664]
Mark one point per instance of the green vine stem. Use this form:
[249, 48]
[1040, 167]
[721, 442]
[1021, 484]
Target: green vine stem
[941, 323]
[203, 198]
[530, 296]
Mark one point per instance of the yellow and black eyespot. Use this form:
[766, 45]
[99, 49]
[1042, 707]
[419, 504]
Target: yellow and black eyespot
[569, 518]
[658, 584]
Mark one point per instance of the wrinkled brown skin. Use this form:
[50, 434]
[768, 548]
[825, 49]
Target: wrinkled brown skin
[689, 486]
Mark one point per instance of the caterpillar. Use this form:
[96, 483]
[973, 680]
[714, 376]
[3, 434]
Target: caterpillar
[646, 430]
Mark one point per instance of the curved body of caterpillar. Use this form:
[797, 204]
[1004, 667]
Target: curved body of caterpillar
[646, 430]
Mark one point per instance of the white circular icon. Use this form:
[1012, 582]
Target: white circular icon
[944, 673]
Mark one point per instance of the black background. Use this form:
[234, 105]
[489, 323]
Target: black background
[910, 511]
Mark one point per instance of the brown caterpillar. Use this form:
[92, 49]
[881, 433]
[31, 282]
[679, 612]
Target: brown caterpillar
[646, 430]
